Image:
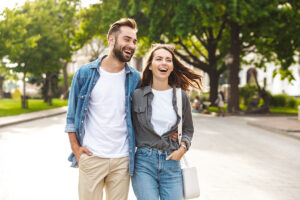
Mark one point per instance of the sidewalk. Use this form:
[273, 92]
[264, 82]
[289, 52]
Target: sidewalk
[289, 126]
[16, 119]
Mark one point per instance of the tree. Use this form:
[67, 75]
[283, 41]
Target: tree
[209, 35]
[197, 42]
[67, 10]
[261, 27]
[38, 39]
[20, 42]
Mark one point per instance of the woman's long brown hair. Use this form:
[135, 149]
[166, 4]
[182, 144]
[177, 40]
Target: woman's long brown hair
[181, 76]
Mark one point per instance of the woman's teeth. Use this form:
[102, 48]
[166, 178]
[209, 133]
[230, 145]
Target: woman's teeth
[163, 70]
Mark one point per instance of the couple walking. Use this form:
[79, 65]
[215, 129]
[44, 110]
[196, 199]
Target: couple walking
[112, 111]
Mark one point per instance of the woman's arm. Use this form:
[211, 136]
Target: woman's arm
[187, 120]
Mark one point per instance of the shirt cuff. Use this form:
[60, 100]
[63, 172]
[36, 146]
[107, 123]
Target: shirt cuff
[70, 128]
[187, 141]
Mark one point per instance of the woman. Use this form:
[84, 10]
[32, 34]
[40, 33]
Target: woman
[157, 165]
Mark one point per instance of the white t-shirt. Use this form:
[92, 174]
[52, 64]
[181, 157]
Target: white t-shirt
[105, 126]
[163, 114]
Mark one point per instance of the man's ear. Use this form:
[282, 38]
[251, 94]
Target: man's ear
[111, 39]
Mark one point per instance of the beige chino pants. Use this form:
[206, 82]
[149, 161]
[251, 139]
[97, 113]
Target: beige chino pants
[97, 173]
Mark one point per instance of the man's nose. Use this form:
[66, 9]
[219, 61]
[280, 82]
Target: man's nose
[132, 45]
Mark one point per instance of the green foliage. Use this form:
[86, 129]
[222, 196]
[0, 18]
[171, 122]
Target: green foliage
[10, 107]
[283, 100]
[247, 92]
[39, 36]
[16, 94]
[284, 110]
[61, 80]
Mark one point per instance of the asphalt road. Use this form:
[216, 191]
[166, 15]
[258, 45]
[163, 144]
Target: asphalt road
[235, 161]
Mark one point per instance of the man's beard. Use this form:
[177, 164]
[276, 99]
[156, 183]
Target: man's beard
[119, 54]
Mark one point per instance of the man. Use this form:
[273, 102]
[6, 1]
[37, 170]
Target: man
[99, 119]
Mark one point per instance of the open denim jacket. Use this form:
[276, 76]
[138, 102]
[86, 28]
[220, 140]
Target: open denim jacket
[82, 85]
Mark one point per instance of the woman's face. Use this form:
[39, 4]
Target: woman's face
[162, 64]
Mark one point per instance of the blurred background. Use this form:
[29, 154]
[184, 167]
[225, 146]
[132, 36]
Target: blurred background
[247, 51]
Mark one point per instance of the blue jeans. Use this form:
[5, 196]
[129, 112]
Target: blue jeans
[155, 177]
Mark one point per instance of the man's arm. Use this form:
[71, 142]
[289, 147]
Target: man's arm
[76, 148]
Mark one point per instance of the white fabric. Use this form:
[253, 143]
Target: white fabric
[221, 101]
[179, 107]
[163, 113]
[105, 127]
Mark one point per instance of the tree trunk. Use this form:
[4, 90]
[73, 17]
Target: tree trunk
[139, 63]
[24, 99]
[265, 108]
[66, 82]
[233, 64]
[49, 92]
[1, 86]
[213, 84]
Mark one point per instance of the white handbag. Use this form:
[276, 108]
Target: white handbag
[191, 187]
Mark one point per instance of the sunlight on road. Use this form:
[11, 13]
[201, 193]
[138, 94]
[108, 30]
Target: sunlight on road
[234, 161]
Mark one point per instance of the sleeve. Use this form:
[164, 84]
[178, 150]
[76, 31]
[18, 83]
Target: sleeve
[187, 120]
[72, 103]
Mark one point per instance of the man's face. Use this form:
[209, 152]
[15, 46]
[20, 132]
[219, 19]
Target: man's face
[125, 44]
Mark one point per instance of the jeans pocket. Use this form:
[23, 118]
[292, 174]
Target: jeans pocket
[173, 165]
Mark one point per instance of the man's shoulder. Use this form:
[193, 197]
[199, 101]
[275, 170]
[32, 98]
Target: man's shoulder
[88, 66]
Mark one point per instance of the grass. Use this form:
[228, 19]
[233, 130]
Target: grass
[283, 110]
[9, 107]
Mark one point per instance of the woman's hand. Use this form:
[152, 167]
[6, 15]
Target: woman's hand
[174, 137]
[177, 155]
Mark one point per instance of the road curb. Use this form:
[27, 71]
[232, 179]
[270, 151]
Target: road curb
[12, 120]
[290, 133]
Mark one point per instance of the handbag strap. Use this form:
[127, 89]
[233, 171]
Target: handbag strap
[179, 107]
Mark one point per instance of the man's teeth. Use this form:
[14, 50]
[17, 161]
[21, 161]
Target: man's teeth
[128, 52]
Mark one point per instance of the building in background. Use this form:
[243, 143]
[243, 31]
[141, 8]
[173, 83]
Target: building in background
[273, 84]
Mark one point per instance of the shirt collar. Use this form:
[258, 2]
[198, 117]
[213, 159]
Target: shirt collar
[147, 90]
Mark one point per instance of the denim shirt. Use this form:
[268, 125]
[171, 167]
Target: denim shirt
[82, 85]
[145, 134]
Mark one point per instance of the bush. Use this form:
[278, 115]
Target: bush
[292, 102]
[283, 100]
[247, 92]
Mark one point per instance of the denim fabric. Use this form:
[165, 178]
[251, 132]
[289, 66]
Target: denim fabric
[83, 83]
[155, 177]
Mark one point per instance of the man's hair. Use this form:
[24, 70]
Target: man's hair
[115, 27]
